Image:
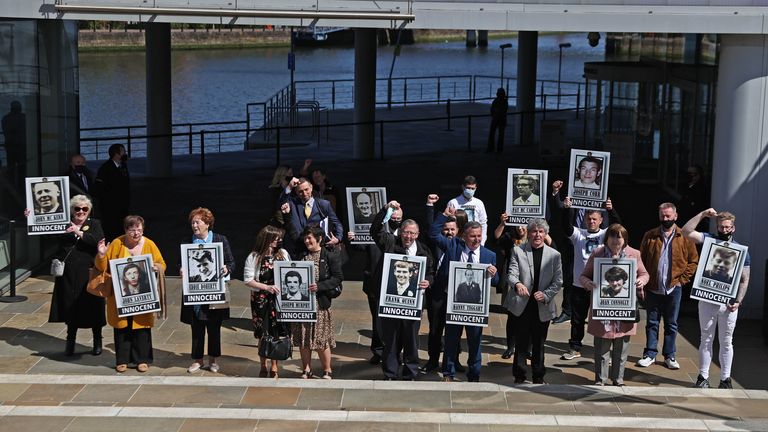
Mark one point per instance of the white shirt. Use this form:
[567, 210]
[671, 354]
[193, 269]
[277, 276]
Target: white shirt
[475, 211]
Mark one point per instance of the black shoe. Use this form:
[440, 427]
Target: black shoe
[561, 319]
[96, 347]
[701, 382]
[375, 359]
[459, 367]
[539, 380]
[519, 380]
[726, 384]
[69, 350]
[429, 367]
[508, 353]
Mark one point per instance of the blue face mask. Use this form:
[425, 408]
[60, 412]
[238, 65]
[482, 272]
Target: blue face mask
[469, 193]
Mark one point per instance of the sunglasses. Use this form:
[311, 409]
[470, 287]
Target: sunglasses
[77, 209]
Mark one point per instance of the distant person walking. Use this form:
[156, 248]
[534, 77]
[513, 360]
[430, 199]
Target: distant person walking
[112, 190]
[499, 108]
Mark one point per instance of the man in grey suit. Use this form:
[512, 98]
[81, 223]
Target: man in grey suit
[536, 274]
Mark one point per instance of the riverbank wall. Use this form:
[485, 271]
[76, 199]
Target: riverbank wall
[242, 37]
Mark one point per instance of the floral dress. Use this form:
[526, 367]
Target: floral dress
[263, 309]
[318, 335]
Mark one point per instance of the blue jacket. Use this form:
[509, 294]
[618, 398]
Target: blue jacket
[320, 210]
[452, 249]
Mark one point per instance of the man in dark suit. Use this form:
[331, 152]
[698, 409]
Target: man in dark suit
[80, 177]
[47, 195]
[535, 276]
[468, 291]
[363, 210]
[402, 284]
[113, 192]
[400, 334]
[468, 248]
[307, 210]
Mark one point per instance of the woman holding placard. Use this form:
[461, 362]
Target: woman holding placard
[133, 334]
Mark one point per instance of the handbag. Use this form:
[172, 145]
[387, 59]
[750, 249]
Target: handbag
[100, 284]
[275, 348]
[336, 291]
[57, 265]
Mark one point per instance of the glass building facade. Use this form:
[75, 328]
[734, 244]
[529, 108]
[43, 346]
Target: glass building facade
[40, 120]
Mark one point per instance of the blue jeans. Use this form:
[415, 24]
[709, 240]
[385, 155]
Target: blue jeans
[667, 307]
[452, 339]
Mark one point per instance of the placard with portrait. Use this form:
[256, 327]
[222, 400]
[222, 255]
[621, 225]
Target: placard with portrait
[469, 294]
[201, 265]
[719, 271]
[615, 293]
[47, 199]
[135, 285]
[362, 205]
[400, 296]
[296, 303]
[588, 185]
[526, 196]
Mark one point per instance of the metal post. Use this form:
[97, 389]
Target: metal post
[389, 93]
[129, 142]
[541, 94]
[190, 139]
[333, 94]
[12, 298]
[438, 89]
[544, 108]
[560, 69]
[469, 133]
[405, 92]
[448, 112]
[202, 152]
[381, 138]
[501, 76]
[578, 99]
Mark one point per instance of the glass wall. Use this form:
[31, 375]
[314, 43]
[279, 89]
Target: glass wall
[39, 109]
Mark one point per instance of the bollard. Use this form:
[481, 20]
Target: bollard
[12, 298]
[448, 112]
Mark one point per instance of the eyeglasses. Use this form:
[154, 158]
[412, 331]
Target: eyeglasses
[410, 233]
[135, 230]
[80, 209]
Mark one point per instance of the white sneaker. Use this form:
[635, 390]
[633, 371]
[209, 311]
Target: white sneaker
[214, 367]
[194, 367]
[570, 355]
[647, 361]
[671, 363]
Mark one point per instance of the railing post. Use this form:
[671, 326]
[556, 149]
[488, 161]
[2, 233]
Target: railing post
[381, 138]
[277, 147]
[469, 133]
[202, 152]
[247, 126]
[333, 94]
[438, 90]
[544, 108]
[389, 93]
[473, 87]
[448, 113]
[12, 298]
[541, 94]
[190, 139]
[405, 92]
[129, 142]
[578, 99]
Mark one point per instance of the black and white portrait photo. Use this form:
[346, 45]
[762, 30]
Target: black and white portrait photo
[135, 285]
[525, 196]
[201, 269]
[400, 296]
[588, 185]
[48, 201]
[615, 283]
[469, 294]
[362, 205]
[719, 271]
[614, 296]
[296, 303]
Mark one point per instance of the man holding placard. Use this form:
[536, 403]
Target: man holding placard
[713, 315]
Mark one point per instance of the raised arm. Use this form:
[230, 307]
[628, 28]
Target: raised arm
[689, 229]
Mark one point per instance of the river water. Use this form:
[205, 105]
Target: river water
[215, 85]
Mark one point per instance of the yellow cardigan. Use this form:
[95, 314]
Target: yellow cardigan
[117, 249]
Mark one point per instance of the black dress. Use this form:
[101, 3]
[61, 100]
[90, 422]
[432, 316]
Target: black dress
[71, 303]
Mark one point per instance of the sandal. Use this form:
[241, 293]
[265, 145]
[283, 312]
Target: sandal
[121, 368]
[142, 367]
[273, 374]
[327, 375]
[307, 374]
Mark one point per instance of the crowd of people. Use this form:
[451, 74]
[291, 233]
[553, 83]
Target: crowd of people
[529, 268]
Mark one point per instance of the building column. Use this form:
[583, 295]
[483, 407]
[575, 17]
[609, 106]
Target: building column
[471, 38]
[363, 135]
[526, 84]
[482, 38]
[159, 113]
[739, 177]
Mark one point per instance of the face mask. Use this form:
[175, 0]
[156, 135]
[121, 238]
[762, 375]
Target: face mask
[393, 225]
[667, 224]
[469, 193]
[80, 169]
[723, 236]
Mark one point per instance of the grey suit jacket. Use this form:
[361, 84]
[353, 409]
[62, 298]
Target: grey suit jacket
[550, 280]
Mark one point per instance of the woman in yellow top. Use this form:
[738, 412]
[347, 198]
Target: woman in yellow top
[133, 334]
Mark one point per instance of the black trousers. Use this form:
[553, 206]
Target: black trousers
[199, 327]
[436, 313]
[133, 345]
[72, 332]
[580, 300]
[397, 333]
[496, 126]
[530, 330]
[377, 346]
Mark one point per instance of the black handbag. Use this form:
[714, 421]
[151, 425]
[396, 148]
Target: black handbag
[275, 348]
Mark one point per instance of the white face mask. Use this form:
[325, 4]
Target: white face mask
[469, 193]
